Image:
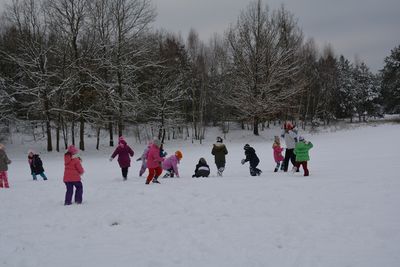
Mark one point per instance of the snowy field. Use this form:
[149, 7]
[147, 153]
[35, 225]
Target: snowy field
[347, 213]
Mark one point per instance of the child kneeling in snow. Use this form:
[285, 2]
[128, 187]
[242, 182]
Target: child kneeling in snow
[72, 175]
[36, 165]
[251, 156]
[171, 164]
[302, 155]
[202, 169]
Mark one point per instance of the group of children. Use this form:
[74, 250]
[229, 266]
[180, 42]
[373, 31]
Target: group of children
[154, 159]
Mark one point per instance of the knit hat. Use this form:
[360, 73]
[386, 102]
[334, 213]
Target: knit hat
[157, 142]
[121, 140]
[301, 138]
[219, 139]
[246, 146]
[72, 149]
[203, 161]
[288, 126]
[178, 154]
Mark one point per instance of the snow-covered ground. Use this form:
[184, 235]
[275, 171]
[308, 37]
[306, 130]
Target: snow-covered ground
[345, 214]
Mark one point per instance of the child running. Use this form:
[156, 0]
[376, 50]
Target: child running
[143, 158]
[251, 156]
[154, 162]
[124, 153]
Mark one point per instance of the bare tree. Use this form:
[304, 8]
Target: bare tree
[33, 60]
[265, 65]
[130, 19]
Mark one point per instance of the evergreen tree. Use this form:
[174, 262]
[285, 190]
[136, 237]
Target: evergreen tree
[346, 86]
[366, 91]
[391, 82]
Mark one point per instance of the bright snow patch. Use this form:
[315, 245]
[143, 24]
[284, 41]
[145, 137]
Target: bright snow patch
[345, 214]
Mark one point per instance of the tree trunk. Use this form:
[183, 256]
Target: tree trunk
[58, 133]
[73, 131]
[82, 134]
[255, 128]
[49, 141]
[98, 138]
[65, 132]
[110, 129]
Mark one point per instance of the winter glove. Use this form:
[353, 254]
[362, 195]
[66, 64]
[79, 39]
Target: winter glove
[243, 161]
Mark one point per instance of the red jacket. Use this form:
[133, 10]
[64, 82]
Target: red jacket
[73, 168]
[153, 157]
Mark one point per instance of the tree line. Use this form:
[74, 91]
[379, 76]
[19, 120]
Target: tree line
[67, 64]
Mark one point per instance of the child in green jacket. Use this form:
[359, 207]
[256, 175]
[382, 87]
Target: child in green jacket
[302, 156]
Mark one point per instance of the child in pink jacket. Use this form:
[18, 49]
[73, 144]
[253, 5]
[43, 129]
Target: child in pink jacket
[72, 175]
[153, 162]
[4, 161]
[277, 153]
[171, 164]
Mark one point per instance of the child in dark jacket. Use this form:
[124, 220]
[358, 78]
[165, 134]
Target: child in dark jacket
[219, 151]
[124, 153]
[202, 169]
[251, 156]
[36, 165]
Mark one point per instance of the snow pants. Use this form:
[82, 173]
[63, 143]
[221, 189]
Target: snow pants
[154, 173]
[70, 191]
[4, 179]
[124, 172]
[41, 174]
[304, 164]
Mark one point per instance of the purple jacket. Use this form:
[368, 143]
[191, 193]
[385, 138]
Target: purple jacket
[124, 153]
[171, 163]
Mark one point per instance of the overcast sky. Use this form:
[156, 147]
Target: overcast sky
[368, 29]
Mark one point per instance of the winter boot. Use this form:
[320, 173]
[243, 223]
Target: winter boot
[277, 167]
[155, 180]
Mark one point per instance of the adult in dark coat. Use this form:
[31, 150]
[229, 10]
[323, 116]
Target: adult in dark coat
[202, 169]
[251, 156]
[124, 153]
[219, 151]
